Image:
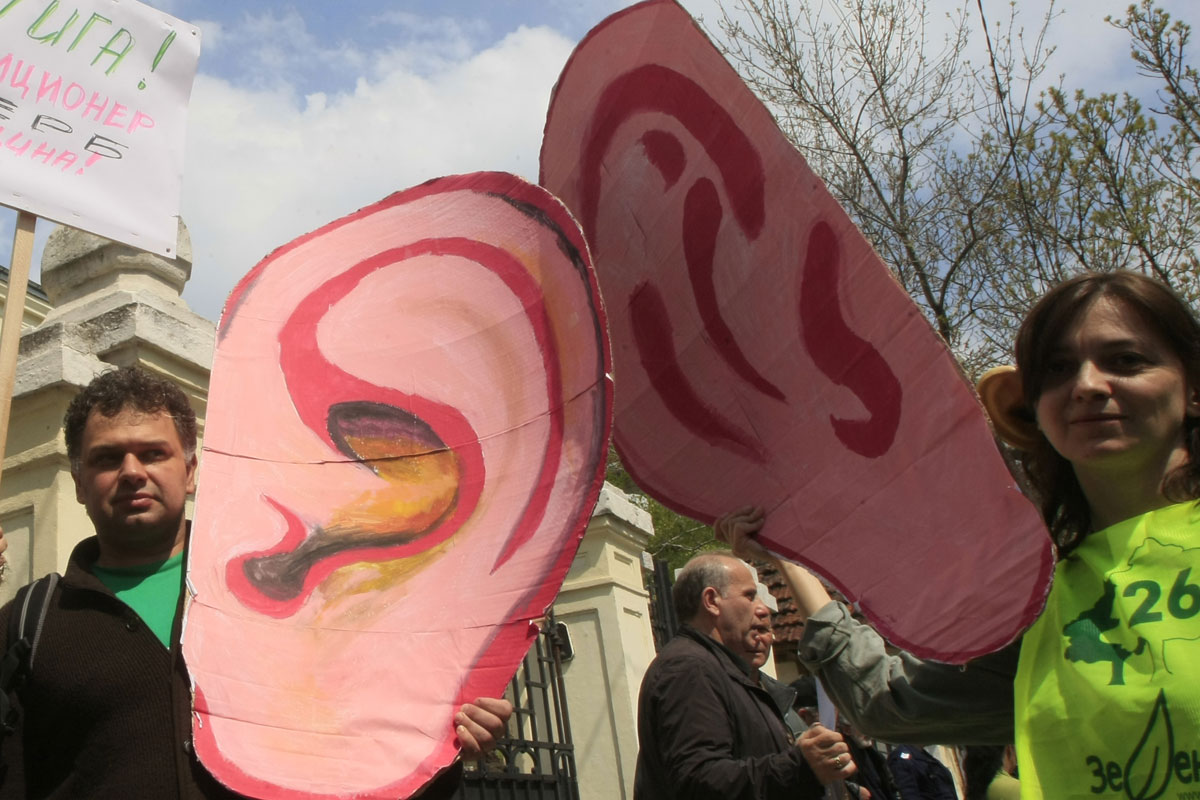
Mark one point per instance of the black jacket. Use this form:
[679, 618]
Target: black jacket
[920, 776]
[106, 709]
[708, 730]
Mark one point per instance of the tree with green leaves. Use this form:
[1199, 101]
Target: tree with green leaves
[676, 537]
[978, 190]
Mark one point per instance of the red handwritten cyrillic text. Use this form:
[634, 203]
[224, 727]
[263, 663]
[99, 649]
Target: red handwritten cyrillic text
[44, 152]
[18, 80]
[67, 159]
[14, 143]
[95, 106]
[117, 113]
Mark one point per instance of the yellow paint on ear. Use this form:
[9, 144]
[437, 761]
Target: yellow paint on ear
[1003, 398]
[370, 577]
[421, 490]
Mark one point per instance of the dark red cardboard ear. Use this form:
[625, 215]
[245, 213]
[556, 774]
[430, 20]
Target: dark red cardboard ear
[764, 354]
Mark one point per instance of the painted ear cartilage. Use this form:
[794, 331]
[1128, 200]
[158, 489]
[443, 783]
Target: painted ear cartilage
[765, 355]
[1000, 392]
[408, 425]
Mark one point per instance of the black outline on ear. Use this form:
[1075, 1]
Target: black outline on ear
[1003, 398]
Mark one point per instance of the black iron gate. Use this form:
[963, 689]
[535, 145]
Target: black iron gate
[537, 761]
[663, 621]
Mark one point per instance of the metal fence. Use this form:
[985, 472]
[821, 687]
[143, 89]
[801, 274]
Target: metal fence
[537, 760]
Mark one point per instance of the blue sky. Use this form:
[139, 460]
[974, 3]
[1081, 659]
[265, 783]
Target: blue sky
[304, 111]
[325, 45]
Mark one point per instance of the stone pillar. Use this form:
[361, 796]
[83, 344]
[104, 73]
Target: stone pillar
[36, 303]
[605, 606]
[110, 304]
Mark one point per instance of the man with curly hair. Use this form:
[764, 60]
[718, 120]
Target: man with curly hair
[131, 441]
[105, 712]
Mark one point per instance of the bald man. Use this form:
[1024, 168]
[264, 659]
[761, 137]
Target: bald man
[708, 727]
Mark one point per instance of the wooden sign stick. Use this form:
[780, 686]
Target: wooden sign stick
[14, 312]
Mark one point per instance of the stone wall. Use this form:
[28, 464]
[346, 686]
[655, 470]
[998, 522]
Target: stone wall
[100, 304]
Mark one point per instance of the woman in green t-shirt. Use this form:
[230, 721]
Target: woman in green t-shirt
[1103, 699]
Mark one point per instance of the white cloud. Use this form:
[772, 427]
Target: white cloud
[212, 36]
[313, 127]
[438, 30]
[264, 166]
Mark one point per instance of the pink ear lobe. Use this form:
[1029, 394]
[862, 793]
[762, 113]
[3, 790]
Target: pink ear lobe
[1004, 400]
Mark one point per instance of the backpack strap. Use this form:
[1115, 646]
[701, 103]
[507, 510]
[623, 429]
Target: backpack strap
[37, 602]
[25, 621]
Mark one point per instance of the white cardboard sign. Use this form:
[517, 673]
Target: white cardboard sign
[93, 106]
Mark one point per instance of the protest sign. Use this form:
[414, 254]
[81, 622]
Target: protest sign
[93, 103]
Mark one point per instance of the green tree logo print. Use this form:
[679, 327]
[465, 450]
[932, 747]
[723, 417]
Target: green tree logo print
[1146, 607]
[1086, 643]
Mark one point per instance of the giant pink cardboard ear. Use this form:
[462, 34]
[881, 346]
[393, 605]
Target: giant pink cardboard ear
[407, 428]
[764, 353]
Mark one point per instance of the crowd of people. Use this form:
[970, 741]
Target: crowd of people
[1099, 694]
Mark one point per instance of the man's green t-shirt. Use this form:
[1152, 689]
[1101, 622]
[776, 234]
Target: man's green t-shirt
[152, 590]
